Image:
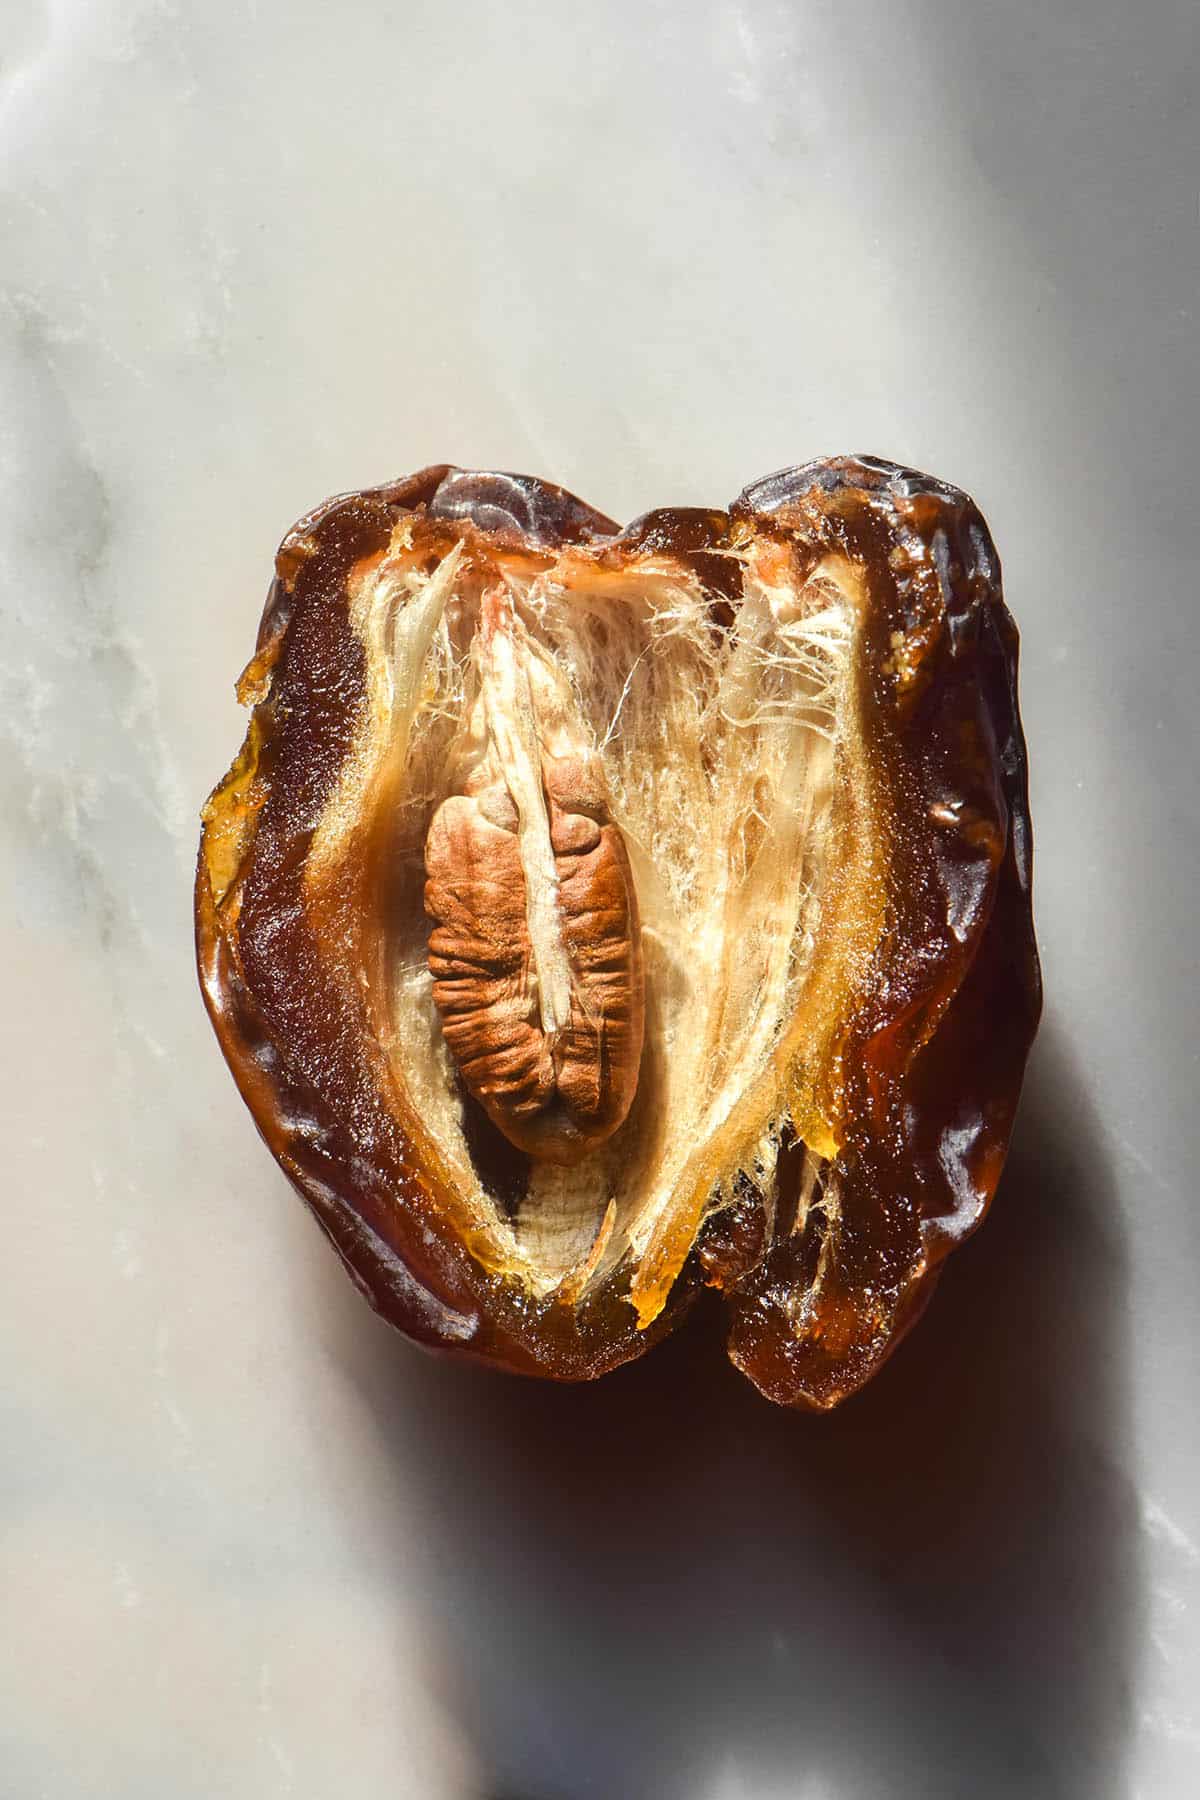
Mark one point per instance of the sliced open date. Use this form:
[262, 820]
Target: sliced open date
[592, 915]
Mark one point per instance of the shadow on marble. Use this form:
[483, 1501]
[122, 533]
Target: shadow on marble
[662, 1586]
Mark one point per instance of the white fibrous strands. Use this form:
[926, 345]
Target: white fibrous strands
[620, 814]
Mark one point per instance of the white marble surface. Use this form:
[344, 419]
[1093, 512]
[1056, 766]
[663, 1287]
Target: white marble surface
[252, 1545]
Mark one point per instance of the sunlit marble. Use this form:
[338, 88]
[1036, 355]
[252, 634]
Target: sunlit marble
[252, 1545]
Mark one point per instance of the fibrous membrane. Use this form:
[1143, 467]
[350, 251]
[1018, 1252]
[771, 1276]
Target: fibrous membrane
[729, 741]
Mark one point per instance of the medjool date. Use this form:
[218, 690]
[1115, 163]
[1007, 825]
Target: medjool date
[596, 914]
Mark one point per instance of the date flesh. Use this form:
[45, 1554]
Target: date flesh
[594, 915]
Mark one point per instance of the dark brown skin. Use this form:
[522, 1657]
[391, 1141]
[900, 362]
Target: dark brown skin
[934, 1045]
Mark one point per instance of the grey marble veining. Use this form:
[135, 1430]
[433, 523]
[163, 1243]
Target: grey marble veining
[250, 1543]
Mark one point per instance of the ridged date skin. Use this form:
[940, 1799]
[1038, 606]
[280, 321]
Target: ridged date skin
[934, 1046]
[554, 1097]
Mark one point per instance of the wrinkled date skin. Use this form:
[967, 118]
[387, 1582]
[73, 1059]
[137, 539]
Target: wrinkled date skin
[594, 915]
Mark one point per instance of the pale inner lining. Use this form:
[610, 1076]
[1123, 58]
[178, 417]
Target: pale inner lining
[722, 753]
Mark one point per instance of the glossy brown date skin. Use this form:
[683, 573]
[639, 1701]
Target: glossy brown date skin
[935, 1047]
